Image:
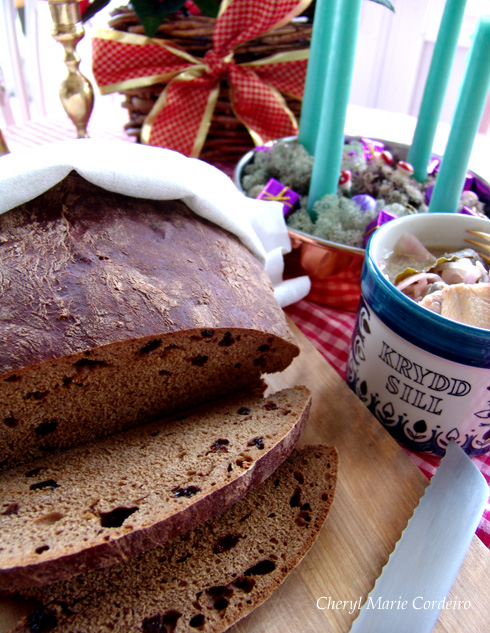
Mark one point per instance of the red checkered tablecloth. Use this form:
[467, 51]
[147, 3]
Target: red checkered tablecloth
[329, 329]
[330, 332]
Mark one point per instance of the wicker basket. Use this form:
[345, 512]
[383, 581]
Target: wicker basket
[227, 139]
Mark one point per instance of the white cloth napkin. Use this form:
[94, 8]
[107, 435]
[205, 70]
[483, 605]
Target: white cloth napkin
[159, 174]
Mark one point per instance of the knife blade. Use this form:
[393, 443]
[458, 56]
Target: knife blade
[415, 582]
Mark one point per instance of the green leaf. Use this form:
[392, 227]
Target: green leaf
[151, 22]
[151, 13]
[385, 3]
[208, 7]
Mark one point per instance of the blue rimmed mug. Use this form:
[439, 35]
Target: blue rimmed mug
[426, 378]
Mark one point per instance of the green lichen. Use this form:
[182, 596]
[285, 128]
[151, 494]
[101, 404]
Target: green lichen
[353, 157]
[301, 221]
[289, 163]
[338, 218]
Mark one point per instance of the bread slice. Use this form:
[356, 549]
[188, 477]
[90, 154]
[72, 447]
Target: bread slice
[209, 578]
[115, 310]
[103, 502]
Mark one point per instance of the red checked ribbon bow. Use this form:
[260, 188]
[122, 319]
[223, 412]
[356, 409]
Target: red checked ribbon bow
[181, 117]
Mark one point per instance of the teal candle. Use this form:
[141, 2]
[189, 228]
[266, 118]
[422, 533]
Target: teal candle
[330, 141]
[469, 110]
[318, 64]
[435, 88]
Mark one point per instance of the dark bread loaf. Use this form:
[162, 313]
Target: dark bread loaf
[115, 310]
[101, 503]
[209, 578]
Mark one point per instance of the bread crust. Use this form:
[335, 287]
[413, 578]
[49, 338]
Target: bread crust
[115, 310]
[83, 267]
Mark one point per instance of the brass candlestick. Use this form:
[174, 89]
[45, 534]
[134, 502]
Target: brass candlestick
[76, 92]
[3, 145]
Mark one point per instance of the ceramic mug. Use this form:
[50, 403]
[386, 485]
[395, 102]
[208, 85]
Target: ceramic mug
[426, 378]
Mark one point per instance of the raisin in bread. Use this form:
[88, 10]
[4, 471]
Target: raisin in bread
[210, 577]
[105, 501]
[115, 310]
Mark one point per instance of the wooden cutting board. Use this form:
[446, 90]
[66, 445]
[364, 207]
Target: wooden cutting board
[377, 490]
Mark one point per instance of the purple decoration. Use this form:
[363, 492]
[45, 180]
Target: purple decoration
[469, 211]
[372, 147]
[365, 202]
[468, 183]
[428, 193]
[275, 190]
[382, 217]
[433, 166]
[263, 148]
[482, 189]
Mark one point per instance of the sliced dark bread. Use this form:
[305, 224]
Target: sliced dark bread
[116, 310]
[101, 503]
[209, 578]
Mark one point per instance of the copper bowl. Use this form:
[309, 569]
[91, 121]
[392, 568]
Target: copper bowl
[333, 268]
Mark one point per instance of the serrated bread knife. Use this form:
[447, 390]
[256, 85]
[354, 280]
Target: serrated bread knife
[415, 582]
